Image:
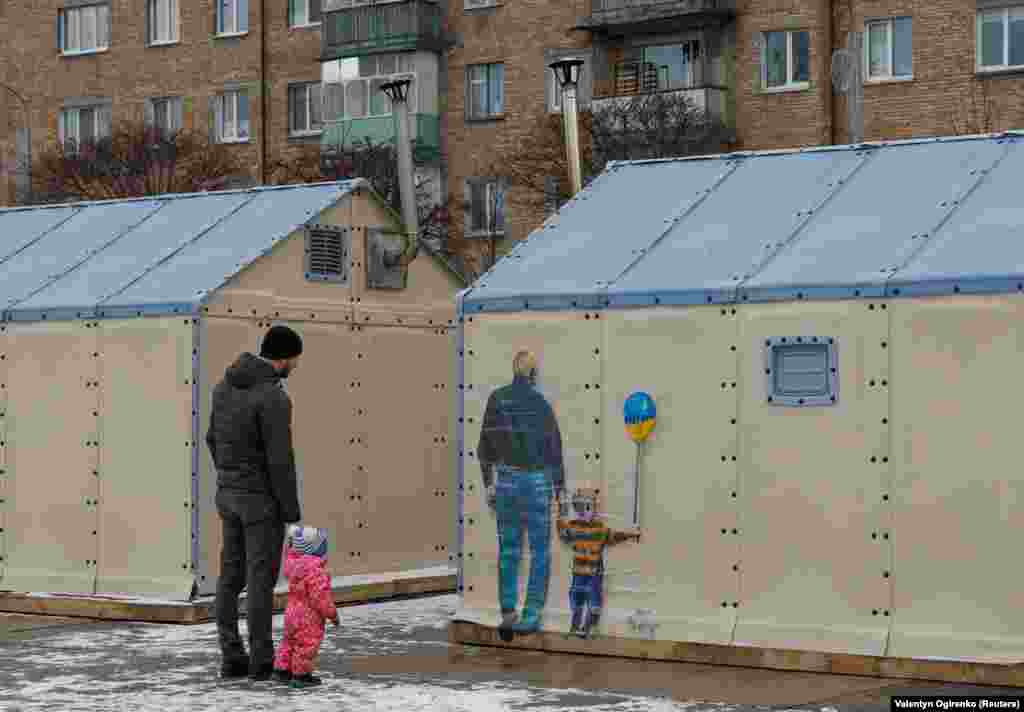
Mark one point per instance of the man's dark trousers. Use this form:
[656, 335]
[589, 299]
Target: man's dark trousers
[250, 558]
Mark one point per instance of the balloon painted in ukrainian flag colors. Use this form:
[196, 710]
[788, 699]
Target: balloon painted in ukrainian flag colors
[640, 415]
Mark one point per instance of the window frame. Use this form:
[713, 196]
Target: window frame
[101, 123]
[490, 185]
[151, 25]
[219, 113]
[175, 111]
[367, 81]
[789, 85]
[64, 20]
[774, 397]
[220, 30]
[890, 34]
[488, 82]
[306, 86]
[308, 6]
[1005, 66]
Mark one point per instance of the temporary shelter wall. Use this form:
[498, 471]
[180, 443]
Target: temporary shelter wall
[121, 316]
[873, 517]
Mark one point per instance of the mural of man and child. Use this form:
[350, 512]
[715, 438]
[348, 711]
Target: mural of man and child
[520, 452]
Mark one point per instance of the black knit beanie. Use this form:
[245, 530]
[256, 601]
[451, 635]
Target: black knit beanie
[280, 343]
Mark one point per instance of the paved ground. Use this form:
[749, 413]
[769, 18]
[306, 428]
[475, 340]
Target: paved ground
[392, 656]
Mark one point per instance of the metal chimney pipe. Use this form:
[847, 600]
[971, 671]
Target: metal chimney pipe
[567, 72]
[398, 92]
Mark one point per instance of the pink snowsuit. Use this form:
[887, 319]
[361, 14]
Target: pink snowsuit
[310, 606]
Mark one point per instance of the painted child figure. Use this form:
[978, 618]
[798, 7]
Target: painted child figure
[589, 535]
[310, 606]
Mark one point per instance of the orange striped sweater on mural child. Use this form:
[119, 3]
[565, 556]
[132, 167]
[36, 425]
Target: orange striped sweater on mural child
[589, 536]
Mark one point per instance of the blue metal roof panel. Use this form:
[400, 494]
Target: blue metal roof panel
[62, 248]
[601, 231]
[983, 239]
[178, 221]
[22, 227]
[748, 217]
[878, 219]
[206, 263]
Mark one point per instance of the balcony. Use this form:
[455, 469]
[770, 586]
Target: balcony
[632, 79]
[426, 131]
[382, 27]
[645, 15]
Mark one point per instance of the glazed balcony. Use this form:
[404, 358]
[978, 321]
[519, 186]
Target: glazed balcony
[642, 15]
[353, 29]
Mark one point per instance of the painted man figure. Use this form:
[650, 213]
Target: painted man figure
[521, 444]
[250, 439]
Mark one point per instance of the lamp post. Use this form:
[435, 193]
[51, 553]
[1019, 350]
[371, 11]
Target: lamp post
[567, 72]
[28, 135]
[398, 92]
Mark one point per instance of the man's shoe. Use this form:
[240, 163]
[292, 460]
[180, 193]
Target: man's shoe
[307, 680]
[234, 669]
[262, 673]
[284, 676]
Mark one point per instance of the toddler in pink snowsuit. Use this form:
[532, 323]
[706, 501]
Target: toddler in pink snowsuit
[310, 606]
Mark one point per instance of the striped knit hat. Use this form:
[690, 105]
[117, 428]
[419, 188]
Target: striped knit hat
[308, 540]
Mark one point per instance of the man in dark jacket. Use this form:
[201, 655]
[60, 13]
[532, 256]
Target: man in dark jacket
[250, 440]
[520, 441]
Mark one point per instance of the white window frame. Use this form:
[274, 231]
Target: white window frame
[367, 82]
[307, 23]
[1005, 66]
[309, 106]
[489, 114]
[100, 123]
[71, 18]
[235, 32]
[491, 186]
[790, 85]
[219, 121]
[890, 35]
[174, 22]
[171, 104]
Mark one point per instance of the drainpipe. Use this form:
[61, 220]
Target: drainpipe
[264, 90]
[398, 92]
[567, 72]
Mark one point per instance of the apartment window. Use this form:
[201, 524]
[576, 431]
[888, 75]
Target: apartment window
[485, 84]
[82, 125]
[661, 68]
[162, 22]
[552, 195]
[164, 114]
[486, 206]
[888, 48]
[352, 87]
[231, 116]
[303, 13]
[786, 63]
[304, 109]
[84, 29]
[1001, 39]
[232, 17]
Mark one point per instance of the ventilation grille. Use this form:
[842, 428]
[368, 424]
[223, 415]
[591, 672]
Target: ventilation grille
[326, 253]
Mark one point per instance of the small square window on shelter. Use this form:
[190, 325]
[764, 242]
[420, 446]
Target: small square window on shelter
[327, 253]
[802, 371]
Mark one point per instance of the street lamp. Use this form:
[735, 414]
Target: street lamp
[28, 135]
[567, 72]
[398, 92]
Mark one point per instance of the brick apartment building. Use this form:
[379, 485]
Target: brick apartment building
[269, 75]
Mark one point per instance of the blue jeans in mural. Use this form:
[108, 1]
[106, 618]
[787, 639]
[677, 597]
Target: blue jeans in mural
[583, 592]
[523, 495]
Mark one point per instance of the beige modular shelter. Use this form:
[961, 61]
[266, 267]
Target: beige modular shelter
[833, 339]
[120, 317]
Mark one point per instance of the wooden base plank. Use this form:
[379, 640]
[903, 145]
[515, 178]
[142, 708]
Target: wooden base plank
[467, 633]
[112, 609]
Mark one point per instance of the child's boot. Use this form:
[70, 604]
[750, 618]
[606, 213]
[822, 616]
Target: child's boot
[307, 680]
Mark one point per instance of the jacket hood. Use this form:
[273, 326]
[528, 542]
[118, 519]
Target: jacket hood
[249, 370]
[299, 567]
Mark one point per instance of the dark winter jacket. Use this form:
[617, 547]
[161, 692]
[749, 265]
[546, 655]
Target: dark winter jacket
[520, 430]
[250, 434]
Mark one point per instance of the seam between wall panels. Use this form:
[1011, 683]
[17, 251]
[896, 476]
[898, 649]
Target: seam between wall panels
[956, 204]
[196, 346]
[460, 435]
[737, 401]
[889, 481]
[733, 165]
[88, 256]
[40, 236]
[181, 246]
[866, 154]
[98, 474]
